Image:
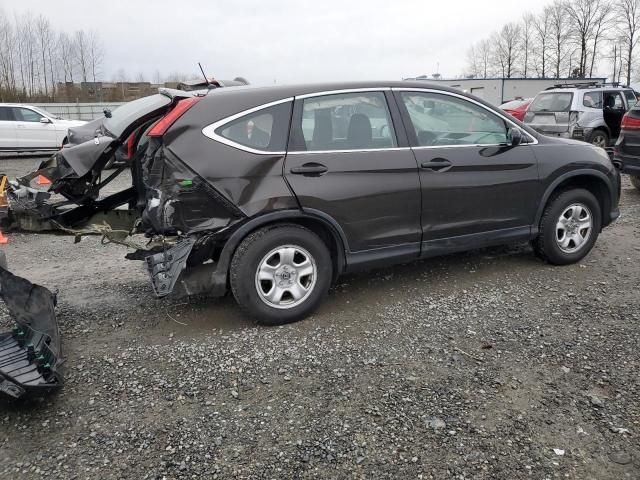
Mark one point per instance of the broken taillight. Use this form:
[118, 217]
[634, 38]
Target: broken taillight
[630, 123]
[130, 143]
[160, 128]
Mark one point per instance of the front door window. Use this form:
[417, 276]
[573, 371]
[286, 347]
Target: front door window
[443, 120]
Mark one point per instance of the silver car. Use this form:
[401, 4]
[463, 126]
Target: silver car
[591, 113]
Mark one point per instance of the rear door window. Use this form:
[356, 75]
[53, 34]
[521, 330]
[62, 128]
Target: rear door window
[444, 120]
[347, 121]
[265, 130]
[5, 114]
[552, 102]
[592, 100]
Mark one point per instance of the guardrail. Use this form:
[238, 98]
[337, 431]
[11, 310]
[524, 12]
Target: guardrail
[78, 111]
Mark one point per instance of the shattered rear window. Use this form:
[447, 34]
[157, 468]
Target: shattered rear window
[128, 113]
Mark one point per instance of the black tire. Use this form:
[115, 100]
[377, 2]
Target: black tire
[546, 244]
[251, 254]
[635, 181]
[596, 135]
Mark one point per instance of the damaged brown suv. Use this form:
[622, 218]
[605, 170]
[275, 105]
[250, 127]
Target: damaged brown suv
[274, 192]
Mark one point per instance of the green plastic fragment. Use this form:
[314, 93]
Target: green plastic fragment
[186, 183]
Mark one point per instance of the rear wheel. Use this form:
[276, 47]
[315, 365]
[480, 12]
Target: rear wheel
[280, 274]
[599, 138]
[569, 227]
[635, 181]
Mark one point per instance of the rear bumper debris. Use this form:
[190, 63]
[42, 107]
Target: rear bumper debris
[30, 354]
[165, 267]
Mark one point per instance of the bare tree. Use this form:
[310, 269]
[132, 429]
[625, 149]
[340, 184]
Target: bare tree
[629, 10]
[582, 16]
[559, 33]
[542, 29]
[506, 44]
[81, 43]
[473, 67]
[7, 58]
[44, 36]
[484, 55]
[95, 52]
[526, 41]
[67, 56]
[603, 23]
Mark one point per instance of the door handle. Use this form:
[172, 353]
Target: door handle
[436, 164]
[310, 169]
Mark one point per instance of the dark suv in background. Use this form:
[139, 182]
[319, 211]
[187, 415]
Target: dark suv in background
[627, 149]
[274, 192]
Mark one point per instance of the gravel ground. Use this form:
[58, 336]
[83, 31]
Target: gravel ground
[483, 365]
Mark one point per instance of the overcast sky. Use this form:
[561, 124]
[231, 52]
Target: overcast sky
[283, 40]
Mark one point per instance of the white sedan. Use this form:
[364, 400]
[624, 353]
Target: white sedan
[24, 127]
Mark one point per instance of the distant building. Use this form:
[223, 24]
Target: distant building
[500, 90]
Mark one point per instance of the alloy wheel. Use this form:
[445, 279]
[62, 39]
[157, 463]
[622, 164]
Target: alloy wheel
[286, 276]
[574, 228]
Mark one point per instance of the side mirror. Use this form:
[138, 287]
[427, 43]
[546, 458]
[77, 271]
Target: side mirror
[514, 136]
[45, 120]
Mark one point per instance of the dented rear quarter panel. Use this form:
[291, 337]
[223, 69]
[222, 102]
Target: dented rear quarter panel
[253, 182]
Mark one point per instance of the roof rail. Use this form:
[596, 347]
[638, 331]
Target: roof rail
[588, 85]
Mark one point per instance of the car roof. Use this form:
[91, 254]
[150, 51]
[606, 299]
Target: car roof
[236, 99]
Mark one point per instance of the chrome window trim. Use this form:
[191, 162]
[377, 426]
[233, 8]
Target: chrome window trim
[210, 130]
[357, 150]
[346, 90]
[534, 141]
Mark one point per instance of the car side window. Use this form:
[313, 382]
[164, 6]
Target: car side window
[5, 114]
[26, 115]
[266, 129]
[592, 100]
[631, 98]
[444, 120]
[347, 121]
[613, 100]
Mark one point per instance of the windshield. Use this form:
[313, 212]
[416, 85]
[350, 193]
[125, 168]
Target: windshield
[552, 102]
[128, 113]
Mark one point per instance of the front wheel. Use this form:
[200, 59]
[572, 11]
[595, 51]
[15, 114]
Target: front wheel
[280, 274]
[635, 181]
[569, 227]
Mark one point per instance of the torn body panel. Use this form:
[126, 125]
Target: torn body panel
[177, 199]
[30, 354]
